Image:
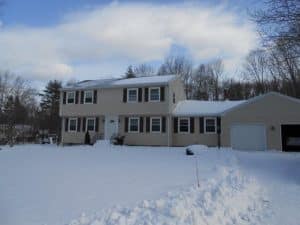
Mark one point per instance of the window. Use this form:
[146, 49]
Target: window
[71, 97]
[210, 125]
[90, 124]
[73, 124]
[132, 94]
[155, 124]
[134, 123]
[154, 94]
[88, 97]
[184, 125]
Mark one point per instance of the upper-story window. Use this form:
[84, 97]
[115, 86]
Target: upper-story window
[154, 94]
[132, 95]
[210, 125]
[73, 124]
[71, 97]
[88, 97]
[184, 125]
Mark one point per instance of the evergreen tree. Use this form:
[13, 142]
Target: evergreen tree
[9, 120]
[130, 73]
[49, 114]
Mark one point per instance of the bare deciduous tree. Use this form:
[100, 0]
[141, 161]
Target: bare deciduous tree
[143, 70]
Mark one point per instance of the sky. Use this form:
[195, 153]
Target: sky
[92, 39]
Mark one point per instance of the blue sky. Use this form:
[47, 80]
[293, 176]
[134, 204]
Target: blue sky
[82, 39]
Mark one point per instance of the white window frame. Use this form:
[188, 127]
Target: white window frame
[129, 125]
[189, 125]
[210, 118]
[137, 95]
[86, 123]
[68, 92]
[149, 94]
[85, 97]
[151, 118]
[76, 119]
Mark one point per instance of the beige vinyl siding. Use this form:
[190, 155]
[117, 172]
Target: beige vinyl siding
[271, 110]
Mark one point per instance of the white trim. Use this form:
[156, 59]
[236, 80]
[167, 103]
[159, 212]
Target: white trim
[137, 95]
[86, 123]
[67, 97]
[210, 118]
[129, 125]
[184, 118]
[155, 117]
[69, 124]
[149, 94]
[84, 96]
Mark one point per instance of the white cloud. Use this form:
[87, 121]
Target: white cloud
[123, 32]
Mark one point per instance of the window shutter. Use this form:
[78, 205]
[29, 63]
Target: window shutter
[147, 124]
[97, 124]
[141, 124]
[192, 124]
[125, 95]
[64, 97]
[146, 94]
[76, 97]
[219, 125]
[78, 124]
[162, 94]
[140, 94]
[83, 124]
[163, 124]
[95, 97]
[175, 124]
[81, 97]
[66, 124]
[201, 125]
[126, 124]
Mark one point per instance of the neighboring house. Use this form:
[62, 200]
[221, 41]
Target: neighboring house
[154, 111]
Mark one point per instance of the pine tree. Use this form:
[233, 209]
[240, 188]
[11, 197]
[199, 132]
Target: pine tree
[130, 73]
[49, 114]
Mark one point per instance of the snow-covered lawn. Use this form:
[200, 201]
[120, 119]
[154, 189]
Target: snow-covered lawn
[103, 184]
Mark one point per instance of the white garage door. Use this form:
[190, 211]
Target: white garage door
[248, 137]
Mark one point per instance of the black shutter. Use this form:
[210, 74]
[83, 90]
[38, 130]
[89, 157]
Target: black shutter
[192, 124]
[175, 124]
[126, 124]
[81, 97]
[219, 125]
[83, 124]
[95, 97]
[64, 97]
[163, 124]
[125, 95]
[146, 94]
[147, 124]
[78, 124]
[141, 124]
[76, 97]
[201, 125]
[97, 124]
[140, 94]
[66, 124]
[162, 94]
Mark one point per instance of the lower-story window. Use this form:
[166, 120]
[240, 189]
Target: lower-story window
[184, 125]
[210, 125]
[134, 123]
[90, 124]
[72, 124]
[155, 124]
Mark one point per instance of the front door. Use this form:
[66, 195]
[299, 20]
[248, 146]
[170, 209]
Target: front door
[111, 126]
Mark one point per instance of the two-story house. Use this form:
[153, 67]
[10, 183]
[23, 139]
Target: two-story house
[154, 111]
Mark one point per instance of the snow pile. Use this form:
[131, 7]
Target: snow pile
[230, 199]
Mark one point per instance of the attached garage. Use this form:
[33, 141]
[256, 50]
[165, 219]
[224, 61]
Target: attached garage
[248, 137]
[290, 136]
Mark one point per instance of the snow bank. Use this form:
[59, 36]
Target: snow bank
[230, 199]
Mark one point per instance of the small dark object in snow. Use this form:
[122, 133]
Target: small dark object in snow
[189, 152]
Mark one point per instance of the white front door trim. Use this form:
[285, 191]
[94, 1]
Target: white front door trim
[111, 126]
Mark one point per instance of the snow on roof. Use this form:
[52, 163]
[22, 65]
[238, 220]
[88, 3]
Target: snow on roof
[130, 82]
[198, 108]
